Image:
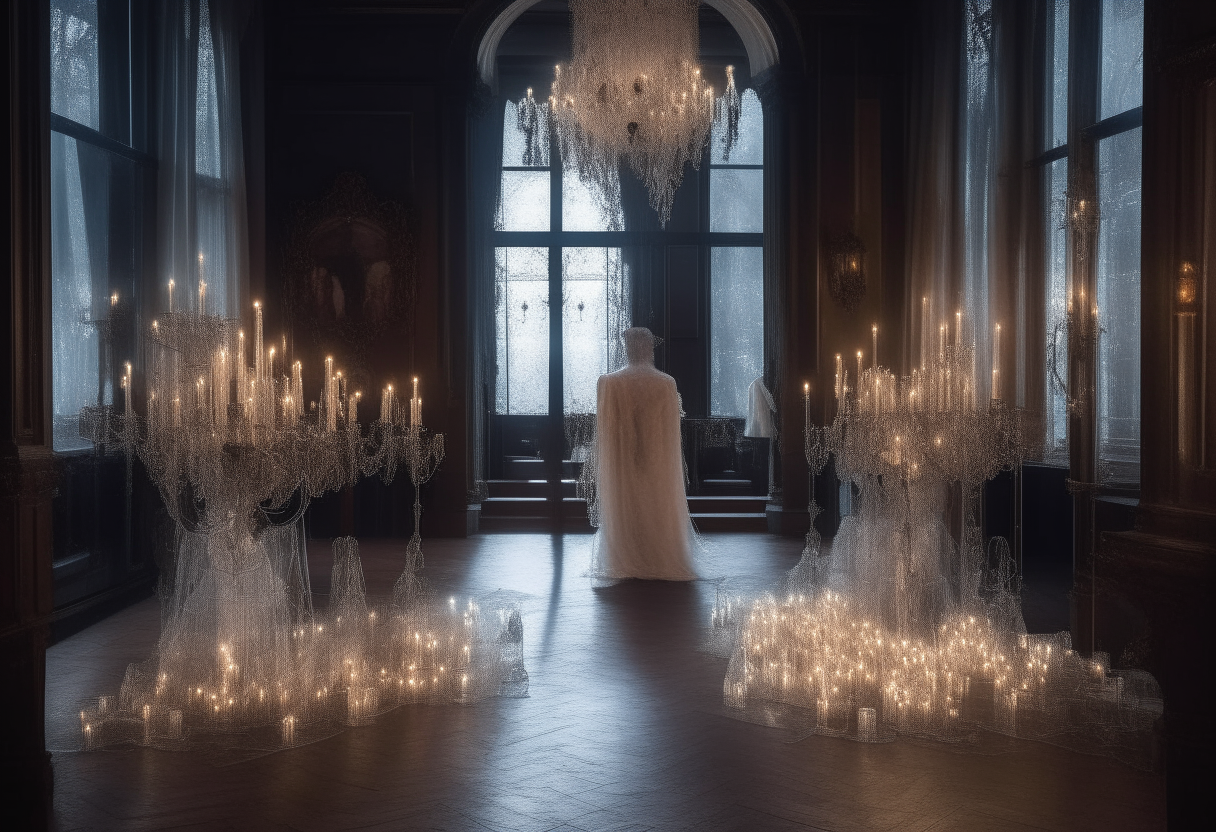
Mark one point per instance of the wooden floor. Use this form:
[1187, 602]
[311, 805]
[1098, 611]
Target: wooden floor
[624, 729]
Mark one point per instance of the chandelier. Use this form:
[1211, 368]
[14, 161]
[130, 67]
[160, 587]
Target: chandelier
[633, 92]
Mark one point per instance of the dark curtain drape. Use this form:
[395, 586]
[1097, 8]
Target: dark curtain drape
[486, 143]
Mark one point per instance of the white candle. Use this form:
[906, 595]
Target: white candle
[874, 335]
[242, 370]
[958, 329]
[924, 331]
[170, 296]
[839, 376]
[202, 287]
[258, 347]
[297, 388]
[858, 384]
[328, 395]
[996, 362]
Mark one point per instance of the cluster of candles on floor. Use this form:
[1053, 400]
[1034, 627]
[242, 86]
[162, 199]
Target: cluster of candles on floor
[855, 678]
[891, 632]
[431, 652]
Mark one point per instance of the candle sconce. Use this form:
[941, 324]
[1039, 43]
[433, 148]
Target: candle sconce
[847, 270]
[1185, 305]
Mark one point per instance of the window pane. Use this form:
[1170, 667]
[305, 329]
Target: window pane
[736, 327]
[79, 254]
[1057, 68]
[525, 201]
[514, 137]
[1119, 306]
[594, 314]
[584, 207]
[1056, 445]
[74, 87]
[521, 306]
[749, 145]
[736, 200]
[1122, 56]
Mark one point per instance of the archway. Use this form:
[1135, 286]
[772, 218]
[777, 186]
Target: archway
[746, 19]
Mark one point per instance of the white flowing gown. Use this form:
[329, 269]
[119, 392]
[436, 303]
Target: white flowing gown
[645, 530]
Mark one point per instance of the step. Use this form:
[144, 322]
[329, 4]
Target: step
[730, 522]
[537, 507]
[727, 504]
[726, 486]
[534, 468]
[534, 525]
[528, 488]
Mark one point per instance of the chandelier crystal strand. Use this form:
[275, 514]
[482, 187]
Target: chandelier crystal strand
[243, 661]
[633, 92]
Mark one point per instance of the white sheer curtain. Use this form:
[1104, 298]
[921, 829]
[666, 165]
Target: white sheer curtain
[202, 231]
[973, 205]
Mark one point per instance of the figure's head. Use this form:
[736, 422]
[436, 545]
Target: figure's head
[639, 345]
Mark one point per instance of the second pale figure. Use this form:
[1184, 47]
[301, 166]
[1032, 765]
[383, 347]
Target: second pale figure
[644, 527]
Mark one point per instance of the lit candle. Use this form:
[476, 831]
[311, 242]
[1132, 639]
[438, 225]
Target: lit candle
[353, 419]
[858, 385]
[170, 296]
[839, 376]
[297, 387]
[958, 329]
[270, 364]
[806, 403]
[259, 359]
[996, 362]
[242, 369]
[331, 416]
[874, 335]
[924, 331]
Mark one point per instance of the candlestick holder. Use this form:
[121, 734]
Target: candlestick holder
[906, 621]
[237, 461]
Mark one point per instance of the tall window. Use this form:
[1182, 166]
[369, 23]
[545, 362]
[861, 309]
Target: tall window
[736, 205]
[99, 167]
[1095, 72]
[554, 230]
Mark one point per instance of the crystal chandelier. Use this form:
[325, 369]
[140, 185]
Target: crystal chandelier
[633, 92]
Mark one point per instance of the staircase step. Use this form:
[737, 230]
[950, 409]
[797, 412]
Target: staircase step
[534, 468]
[726, 486]
[727, 504]
[570, 525]
[528, 488]
[536, 507]
[730, 522]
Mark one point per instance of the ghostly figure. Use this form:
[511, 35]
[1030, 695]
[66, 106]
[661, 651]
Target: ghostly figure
[644, 527]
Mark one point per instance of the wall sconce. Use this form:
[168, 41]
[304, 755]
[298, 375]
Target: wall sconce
[847, 270]
[1186, 299]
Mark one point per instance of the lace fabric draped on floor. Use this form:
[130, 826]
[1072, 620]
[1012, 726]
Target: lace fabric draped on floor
[641, 508]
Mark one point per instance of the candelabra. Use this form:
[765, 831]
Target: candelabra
[237, 458]
[906, 626]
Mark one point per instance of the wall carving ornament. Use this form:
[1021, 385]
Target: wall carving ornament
[350, 268]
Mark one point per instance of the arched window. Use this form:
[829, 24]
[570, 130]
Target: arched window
[703, 286]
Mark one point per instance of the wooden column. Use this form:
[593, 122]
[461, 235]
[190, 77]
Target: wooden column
[1166, 566]
[26, 473]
